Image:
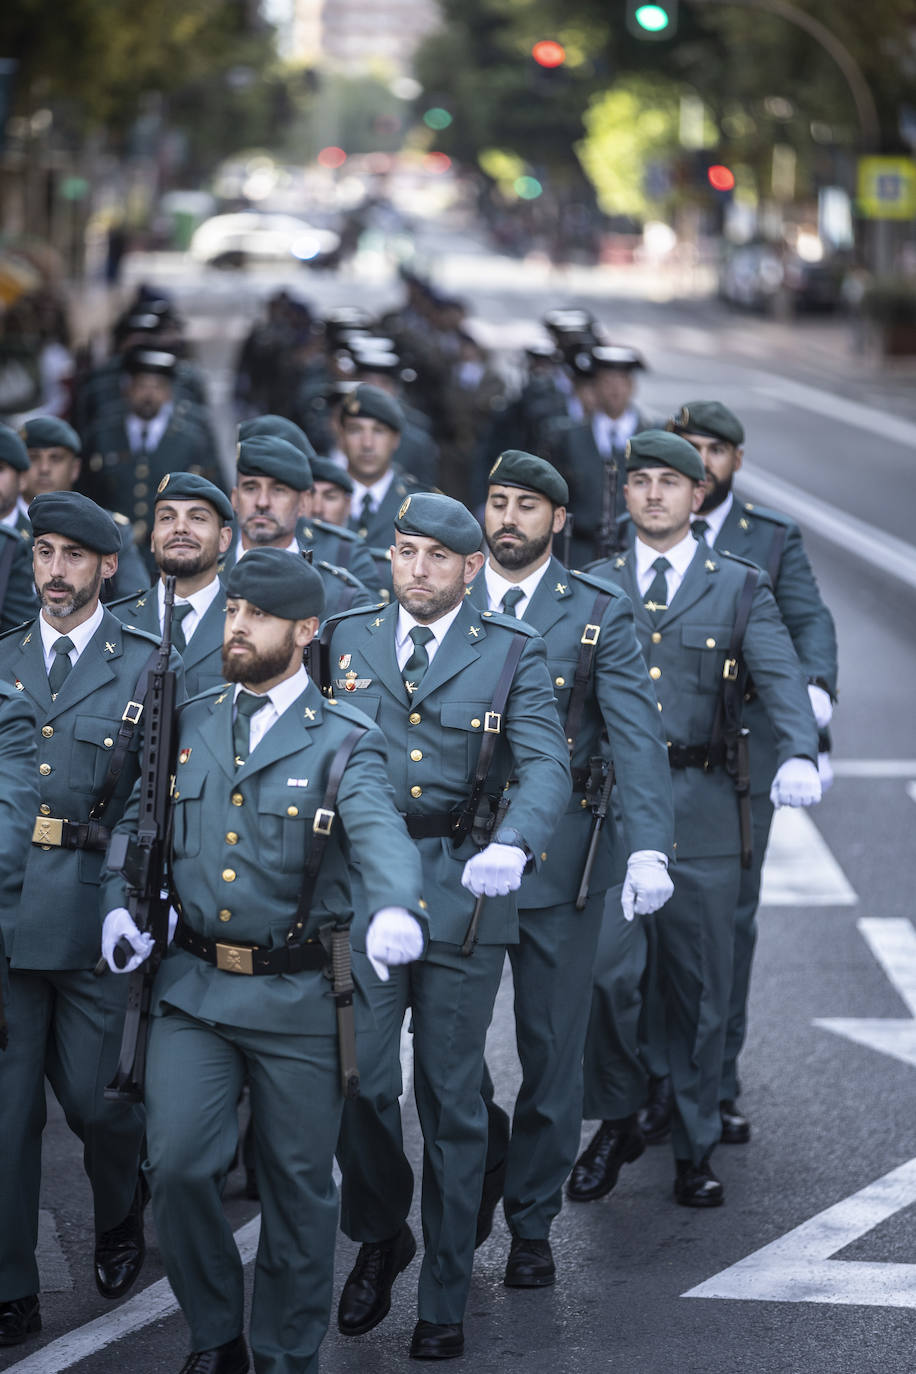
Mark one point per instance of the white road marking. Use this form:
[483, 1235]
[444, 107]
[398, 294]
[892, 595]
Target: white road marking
[873, 768]
[53, 1269]
[841, 409]
[799, 869]
[892, 941]
[873, 545]
[911, 791]
[798, 1267]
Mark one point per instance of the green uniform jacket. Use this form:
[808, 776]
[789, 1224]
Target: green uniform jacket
[239, 846]
[57, 922]
[572, 449]
[104, 387]
[203, 656]
[19, 600]
[131, 575]
[620, 701]
[686, 647]
[434, 741]
[342, 548]
[379, 533]
[18, 801]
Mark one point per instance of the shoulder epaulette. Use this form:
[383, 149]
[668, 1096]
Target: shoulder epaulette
[736, 558]
[212, 692]
[343, 573]
[16, 630]
[339, 531]
[141, 634]
[131, 596]
[599, 583]
[775, 517]
[119, 518]
[509, 622]
[348, 709]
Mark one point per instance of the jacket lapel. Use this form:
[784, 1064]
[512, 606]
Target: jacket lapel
[95, 667]
[693, 586]
[31, 674]
[376, 645]
[547, 605]
[457, 651]
[209, 633]
[285, 736]
[216, 731]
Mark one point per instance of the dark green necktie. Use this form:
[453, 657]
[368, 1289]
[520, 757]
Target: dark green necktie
[60, 668]
[366, 510]
[418, 662]
[247, 705]
[511, 599]
[698, 530]
[657, 595]
[178, 615]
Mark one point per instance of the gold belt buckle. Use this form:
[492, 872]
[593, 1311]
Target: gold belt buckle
[48, 830]
[234, 958]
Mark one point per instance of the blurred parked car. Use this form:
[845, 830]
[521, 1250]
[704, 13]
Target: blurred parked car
[761, 276]
[258, 236]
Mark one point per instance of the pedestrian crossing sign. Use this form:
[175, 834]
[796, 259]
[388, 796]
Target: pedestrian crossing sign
[887, 187]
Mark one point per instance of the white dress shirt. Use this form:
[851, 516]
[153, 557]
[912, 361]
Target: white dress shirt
[715, 519]
[378, 491]
[610, 434]
[21, 508]
[680, 558]
[199, 601]
[279, 699]
[404, 645]
[153, 429]
[81, 635]
[238, 552]
[497, 586]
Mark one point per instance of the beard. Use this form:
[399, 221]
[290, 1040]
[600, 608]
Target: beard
[254, 667]
[185, 564]
[60, 610]
[520, 554]
[426, 609]
[715, 494]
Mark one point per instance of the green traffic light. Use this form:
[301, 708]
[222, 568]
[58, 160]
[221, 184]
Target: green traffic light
[652, 18]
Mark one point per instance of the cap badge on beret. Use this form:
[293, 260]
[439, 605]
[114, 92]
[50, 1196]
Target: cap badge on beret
[496, 465]
[626, 452]
[164, 483]
[351, 404]
[683, 418]
[404, 508]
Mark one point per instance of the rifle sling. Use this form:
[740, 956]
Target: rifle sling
[126, 729]
[316, 840]
[492, 732]
[582, 679]
[728, 709]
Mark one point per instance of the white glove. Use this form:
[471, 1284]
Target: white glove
[796, 784]
[495, 871]
[647, 885]
[825, 771]
[118, 924]
[393, 937]
[821, 705]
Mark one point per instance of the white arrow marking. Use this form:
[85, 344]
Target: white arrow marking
[798, 1267]
[799, 869]
[892, 941]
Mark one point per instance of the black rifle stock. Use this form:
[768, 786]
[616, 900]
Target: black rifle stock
[606, 537]
[602, 772]
[142, 859]
[482, 836]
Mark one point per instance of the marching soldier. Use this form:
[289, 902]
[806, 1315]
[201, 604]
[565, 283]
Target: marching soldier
[18, 804]
[84, 672]
[17, 590]
[55, 463]
[602, 685]
[702, 618]
[275, 789]
[192, 529]
[774, 543]
[465, 701]
[270, 498]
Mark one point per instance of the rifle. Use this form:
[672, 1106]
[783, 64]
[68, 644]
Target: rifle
[607, 534]
[142, 858]
[566, 539]
[599, 788]
[738, 768]
[342, 993]
[727, 723]
[481, 833]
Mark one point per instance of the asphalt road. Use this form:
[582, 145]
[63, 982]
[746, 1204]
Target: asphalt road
[833, 1109]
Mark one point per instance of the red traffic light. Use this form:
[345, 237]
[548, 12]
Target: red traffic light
[549, 53]
[720, 178]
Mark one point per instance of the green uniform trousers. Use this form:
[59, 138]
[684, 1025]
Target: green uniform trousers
[693, 939]
[551, 974]
[615, 1076]
[194, 1075]
[451, 1000]
[745, 941]
[64, 1026]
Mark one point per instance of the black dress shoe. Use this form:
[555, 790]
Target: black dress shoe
[696, 1185]
[231, 1358]
[119, 1252]
[366, 1296]
[434, 1341]
[595, 1171]
[530, 1264]
[19, 1320]
[655, 1115]
[736, 1129]
[494, 1180]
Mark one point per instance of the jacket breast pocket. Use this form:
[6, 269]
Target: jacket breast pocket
[187, 815]
[707, 650]
[363, 701]
[562, 675]
[470, 720]
[94, 740]
[284, 821]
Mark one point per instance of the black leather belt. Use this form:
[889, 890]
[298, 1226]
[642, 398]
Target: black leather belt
[249, 959]
[696, 756]
[53, 832]
[430, 827]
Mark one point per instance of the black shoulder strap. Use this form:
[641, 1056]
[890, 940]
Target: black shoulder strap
[6, 567]
[734, 673]
[316, 840]
[582, 680]
[130, 719]
[492, 729]
[775, 557]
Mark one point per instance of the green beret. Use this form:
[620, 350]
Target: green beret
[656, 448]
[47, 431]
[326, 470]
[279, 428]
[709, 418]
[74, 516]
[189, 486]
[279, 583]
[514, 468]
[12, 450]
[264, 455]
[441, 518]
[372, 403]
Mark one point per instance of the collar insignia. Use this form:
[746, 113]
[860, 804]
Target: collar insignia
[309, 713]
[560, 587]
[473, 630]
[109, 646]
